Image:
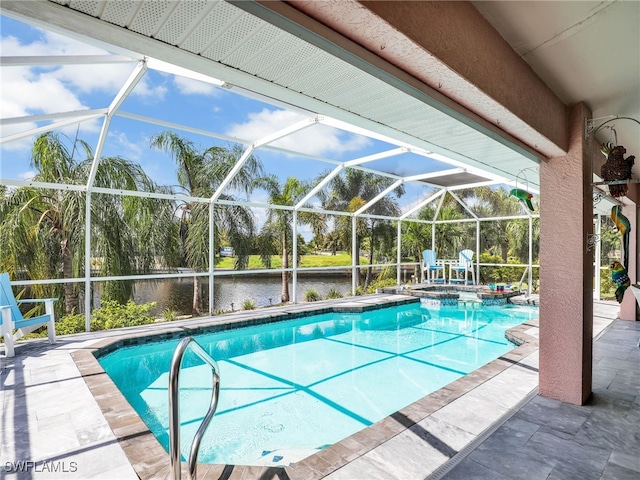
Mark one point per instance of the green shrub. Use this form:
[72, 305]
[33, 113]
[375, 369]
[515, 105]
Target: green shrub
[490, 274]
[387, 273]
[68, 325]
[169, 314]
[607, 287]
[333, 293]
[112, 314]
[248, 305]
[374, 286]
[506, 274]
[312, 295]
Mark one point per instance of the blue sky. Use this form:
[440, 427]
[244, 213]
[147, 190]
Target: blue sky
[51, 89]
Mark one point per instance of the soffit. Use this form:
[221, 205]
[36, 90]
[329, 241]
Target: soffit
[584, 51]
[218, 39]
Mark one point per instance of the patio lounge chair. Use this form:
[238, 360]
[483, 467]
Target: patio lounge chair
[463, 265]
[431, 270]
[12, 319]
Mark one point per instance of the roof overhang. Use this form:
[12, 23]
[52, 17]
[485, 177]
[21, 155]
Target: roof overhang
[252, 49]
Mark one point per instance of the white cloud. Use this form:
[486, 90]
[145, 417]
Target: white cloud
[24, 91]
[34, 90]
[56, 44]
[314, 140]
[22, 144]
[150, 92]
[27, 175]
[188, 86]
[124, 147]
[85, 78]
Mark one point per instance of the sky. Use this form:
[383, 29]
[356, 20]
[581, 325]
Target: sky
[31, 90]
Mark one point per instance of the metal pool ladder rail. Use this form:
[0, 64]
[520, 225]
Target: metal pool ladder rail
[174, 408]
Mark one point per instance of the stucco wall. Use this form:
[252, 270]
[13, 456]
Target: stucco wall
[566, 307]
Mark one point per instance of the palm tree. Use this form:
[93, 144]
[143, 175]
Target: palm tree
[277, 229]
[42, 230]
[493, 202]
[415, 238]
[349, 192]
[517, 234]
[449, 235]
[332, 242]
[200, 173]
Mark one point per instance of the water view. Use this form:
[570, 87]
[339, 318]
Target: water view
[230, 292]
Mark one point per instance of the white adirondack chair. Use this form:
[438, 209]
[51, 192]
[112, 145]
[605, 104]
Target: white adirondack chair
[12, 319]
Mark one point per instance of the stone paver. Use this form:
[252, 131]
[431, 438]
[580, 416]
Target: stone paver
[553, 440]
[61, 413]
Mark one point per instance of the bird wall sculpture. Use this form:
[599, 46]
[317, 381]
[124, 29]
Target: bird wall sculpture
[524, 197]
[620, 278]
[624, 227]
[616, 168]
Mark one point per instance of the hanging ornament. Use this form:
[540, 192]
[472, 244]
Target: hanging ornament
[524, 197]
[616, 168]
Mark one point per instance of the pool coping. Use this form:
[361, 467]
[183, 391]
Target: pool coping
[150, 460]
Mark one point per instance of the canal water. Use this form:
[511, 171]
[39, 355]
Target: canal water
[177, 293]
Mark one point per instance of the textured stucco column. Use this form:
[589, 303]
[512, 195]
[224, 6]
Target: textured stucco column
[566, 301]
[628, 305]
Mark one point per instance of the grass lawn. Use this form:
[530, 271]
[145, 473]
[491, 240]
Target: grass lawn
[307, 261]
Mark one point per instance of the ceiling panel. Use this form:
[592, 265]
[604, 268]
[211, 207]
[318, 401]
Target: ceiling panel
[584, 51]
[257, 46]
[120, 13]
[179, 24]
[213, 25]
[293, 55]
[150, 17]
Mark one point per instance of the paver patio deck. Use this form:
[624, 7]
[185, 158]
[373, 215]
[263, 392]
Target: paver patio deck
[63, 418]
[549, 439]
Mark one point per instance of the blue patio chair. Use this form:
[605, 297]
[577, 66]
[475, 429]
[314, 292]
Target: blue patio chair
[463, 265]
[12, 319]
[432, 271]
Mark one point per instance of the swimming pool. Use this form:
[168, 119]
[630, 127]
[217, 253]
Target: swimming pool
[291, 388]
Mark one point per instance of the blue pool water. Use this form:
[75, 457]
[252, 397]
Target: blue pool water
[291, 388]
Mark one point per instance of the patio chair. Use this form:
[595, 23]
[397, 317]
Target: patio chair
[431, 270]
[463, 265]
[12, 319]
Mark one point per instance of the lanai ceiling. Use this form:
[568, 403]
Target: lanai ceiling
[585, 51]
[582, 50]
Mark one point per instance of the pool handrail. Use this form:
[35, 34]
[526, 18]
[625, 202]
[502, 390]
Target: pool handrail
[174, 408]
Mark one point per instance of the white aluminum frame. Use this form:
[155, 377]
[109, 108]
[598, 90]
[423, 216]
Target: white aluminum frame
[142, 66]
